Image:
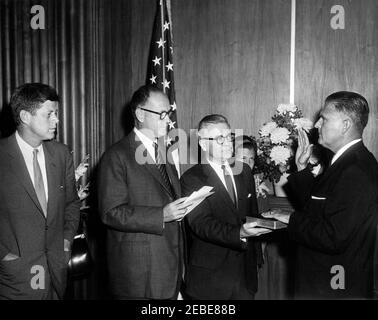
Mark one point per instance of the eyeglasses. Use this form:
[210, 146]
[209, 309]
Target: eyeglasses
[162, 114]
[221, 139]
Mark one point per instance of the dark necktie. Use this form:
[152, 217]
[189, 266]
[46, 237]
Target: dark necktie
[229, 184]
[38, 183]
[163, 171]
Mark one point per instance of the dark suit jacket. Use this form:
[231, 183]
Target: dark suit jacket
[144, 254]
[337, 226]
[25, 231]
[217, 253]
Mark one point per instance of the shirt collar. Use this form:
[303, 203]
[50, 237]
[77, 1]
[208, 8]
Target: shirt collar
[218, 167]
[26, 146]
[343, 149]
[146, 140]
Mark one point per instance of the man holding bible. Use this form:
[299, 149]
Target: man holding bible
[223, 258]
[336, 227]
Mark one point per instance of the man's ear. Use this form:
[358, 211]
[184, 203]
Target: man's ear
[139, 114]
[347, 124]
[202, 144]
[25, 116]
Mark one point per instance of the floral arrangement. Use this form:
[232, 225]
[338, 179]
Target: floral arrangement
[83, 191]
[278, 139]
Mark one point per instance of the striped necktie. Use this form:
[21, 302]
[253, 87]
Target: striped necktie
[229, 184]
[38, 183]
[163, 171]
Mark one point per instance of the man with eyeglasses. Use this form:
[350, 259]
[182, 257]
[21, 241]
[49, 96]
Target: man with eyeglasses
[139, 202]
[222, 263]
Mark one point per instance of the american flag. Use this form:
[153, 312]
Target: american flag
[160, 62]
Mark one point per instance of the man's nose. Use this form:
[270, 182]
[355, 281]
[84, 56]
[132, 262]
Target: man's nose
[55, 119]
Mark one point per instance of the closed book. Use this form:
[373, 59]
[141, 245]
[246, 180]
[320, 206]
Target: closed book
[267, 223]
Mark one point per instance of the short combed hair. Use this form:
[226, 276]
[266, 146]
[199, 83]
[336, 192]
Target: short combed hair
[29, 97]
[140, 97]
[352, 104]
[212, 119]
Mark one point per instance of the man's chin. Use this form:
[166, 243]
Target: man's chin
[50, 135]
[227, 156]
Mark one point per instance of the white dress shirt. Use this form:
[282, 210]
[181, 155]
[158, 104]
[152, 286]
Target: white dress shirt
[147, 142]
[27, 153]
[218, 170]
[343, 149]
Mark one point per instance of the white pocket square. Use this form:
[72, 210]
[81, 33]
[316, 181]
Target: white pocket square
[318, 198]
[249, 195]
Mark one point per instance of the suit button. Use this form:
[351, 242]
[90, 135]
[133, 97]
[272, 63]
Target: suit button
[46, 228]
[46, 251]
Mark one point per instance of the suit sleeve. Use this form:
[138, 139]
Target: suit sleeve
[344, 211]
[116, 210]
[205, 225]
[72, 205]
[300, 186]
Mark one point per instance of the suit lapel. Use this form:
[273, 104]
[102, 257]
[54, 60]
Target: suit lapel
[173, 177]
[340, 162]
[212, 179]
[18, 166]
[52, 180]
[239, 186]
[150, 166]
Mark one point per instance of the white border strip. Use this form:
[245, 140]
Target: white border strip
[292, 52]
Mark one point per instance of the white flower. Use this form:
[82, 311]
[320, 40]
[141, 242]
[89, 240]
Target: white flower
[283, 108]
[279, 135]
[81, 170]
[261, 187]
[280, 154]
[267, 129]
[303, 123]
[83, 192]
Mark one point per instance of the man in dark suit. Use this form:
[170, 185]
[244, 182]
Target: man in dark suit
[335, 229]
[222, 260]
[39, 207]
[139, 204]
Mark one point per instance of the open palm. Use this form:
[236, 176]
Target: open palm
[304, 151]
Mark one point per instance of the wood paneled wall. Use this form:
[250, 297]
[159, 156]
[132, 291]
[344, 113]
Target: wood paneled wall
[233, 57]
[329, 60]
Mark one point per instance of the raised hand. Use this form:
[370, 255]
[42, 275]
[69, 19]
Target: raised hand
[304, 151]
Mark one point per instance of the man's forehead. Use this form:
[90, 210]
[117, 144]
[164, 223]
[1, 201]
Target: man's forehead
[329, 109]
[215, 129]
[50, 105]
[158, 102]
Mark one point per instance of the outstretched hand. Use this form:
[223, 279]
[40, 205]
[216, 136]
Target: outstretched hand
[304, 151]
[250, 229]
